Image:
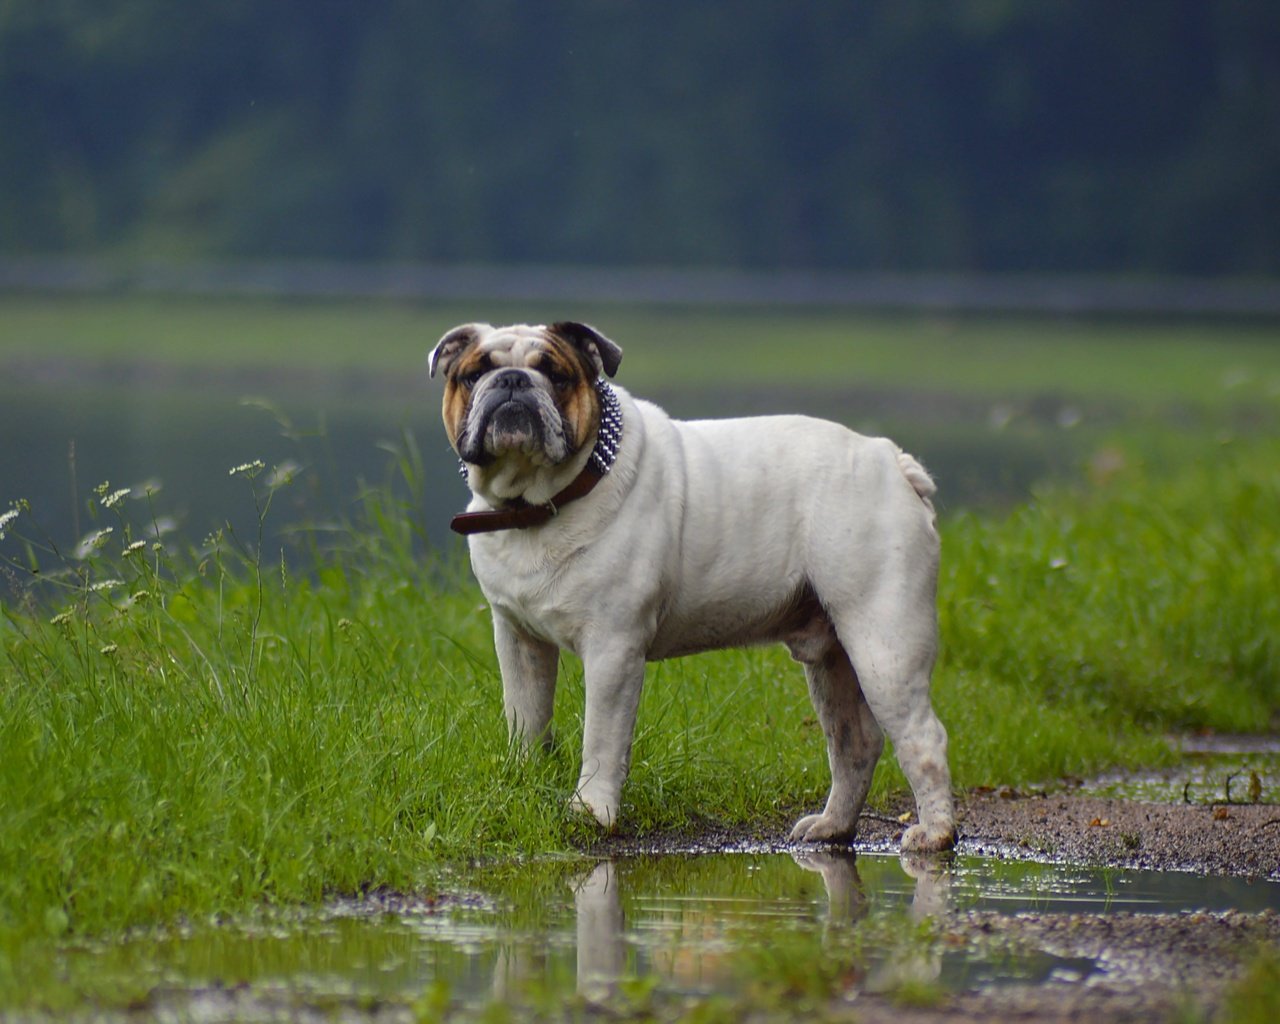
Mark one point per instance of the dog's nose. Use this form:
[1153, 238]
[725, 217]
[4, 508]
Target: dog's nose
[512, 380]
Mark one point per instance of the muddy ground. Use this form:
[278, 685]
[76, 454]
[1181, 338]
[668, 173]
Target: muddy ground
[1151, 967]
[1210, 838]
[1089, 967]
[1156, 965]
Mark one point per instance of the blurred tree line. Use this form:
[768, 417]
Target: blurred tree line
[973, 135]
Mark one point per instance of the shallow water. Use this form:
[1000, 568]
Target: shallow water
[1217, 771]
[680, 925]
[66, 438]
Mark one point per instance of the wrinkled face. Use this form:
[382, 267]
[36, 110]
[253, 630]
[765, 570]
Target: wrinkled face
[522, 391]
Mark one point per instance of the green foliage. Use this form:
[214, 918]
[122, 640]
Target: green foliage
[1146, 600]
[1255, 998]
[213, 730]
[891, 135]
[190, 732]
[1121, 367]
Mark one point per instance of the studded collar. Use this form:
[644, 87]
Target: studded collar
[519, 514]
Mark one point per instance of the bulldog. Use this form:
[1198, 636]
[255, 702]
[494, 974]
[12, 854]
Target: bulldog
[601, 526]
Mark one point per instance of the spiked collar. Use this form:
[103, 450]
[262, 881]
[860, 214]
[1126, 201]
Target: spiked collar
[519, 514]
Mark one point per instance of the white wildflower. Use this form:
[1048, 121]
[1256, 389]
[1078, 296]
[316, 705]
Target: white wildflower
[102, 585]
[91, 542]
[115, 497]
[249, 469]
[139, 597]
[5, 519]
[109, 649]
[134, 548]
[61, 619]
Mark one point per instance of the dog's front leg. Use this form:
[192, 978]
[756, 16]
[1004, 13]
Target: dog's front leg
[614, 676]
[528, 681]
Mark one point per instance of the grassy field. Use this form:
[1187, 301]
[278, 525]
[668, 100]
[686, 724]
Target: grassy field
[189, 732]
[192, 730]
[1141, 362]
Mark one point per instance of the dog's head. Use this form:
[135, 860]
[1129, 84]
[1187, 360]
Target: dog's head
[522, 398]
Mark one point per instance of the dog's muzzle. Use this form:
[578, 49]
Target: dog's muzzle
[506, 414]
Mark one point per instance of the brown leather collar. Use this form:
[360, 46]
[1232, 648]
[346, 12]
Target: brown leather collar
[520, 515]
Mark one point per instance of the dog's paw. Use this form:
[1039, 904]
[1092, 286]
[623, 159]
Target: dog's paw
[604, 812]
[821, 828]
[919, 839]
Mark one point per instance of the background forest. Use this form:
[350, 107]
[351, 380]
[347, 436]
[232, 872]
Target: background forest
[972, 136]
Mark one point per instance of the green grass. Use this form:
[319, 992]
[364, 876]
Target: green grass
[1255, 997]
[218, 729]
[210, 731]
[1144, 362]
[1148, 597]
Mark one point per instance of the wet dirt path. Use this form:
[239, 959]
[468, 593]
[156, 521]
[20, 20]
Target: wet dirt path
[1058, 906]
[1146, 967]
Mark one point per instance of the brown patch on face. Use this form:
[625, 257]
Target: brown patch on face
[602, 354]
[457, 390]
[571, 375]
[455, 408]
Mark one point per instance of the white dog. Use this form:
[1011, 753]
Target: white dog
[601, 526]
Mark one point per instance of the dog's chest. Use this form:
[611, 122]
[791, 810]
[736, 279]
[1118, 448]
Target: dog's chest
[526, 585]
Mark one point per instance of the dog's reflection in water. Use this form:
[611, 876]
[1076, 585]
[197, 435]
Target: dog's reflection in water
[601, 948]
[909, 963]
[601, 924]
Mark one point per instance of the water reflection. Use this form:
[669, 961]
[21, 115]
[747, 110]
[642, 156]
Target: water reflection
[691, 939]
[818, 921]
[688, 921]
[601, 924]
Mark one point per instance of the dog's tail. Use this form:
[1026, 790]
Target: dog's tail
[919, 479]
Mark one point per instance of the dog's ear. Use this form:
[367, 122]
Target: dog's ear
[452, 345]
[606, 356]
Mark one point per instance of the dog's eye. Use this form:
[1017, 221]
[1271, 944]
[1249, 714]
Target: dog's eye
[470, 380]
[559, 380]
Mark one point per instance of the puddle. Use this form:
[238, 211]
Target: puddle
[1212, 771]
[674, 927]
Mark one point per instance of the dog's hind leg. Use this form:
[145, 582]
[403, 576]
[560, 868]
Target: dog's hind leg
[893, 663]
[529, 667]
[854, 742]
[881, 597]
